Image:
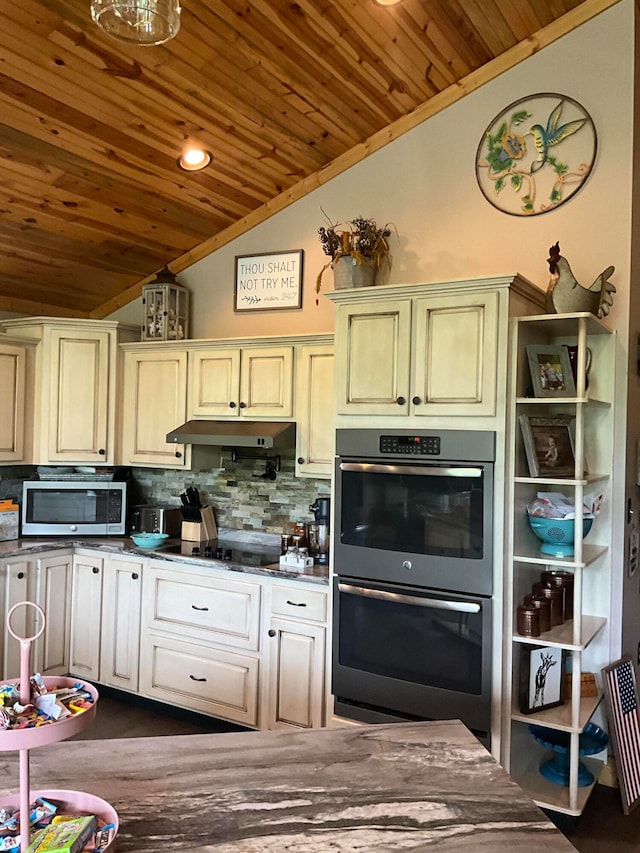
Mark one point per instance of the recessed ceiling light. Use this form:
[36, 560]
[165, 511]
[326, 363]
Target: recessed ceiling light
[194, 159]
[387, 2]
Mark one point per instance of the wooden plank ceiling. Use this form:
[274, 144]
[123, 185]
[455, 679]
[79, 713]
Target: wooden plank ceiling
[285, 94]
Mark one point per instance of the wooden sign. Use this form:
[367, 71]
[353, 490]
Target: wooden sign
[268, 282]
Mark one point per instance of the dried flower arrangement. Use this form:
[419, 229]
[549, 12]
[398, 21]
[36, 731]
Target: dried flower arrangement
[361, 240]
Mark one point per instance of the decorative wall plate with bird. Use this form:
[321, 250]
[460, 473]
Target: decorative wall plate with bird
[536, 154]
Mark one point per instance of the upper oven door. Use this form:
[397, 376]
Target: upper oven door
[424, 523]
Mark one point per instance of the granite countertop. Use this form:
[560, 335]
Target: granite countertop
[124, 545]
[403, 786]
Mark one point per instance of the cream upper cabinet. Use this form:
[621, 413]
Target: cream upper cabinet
[74, 388]
[13, 363]
[424, 352]
[251, 382]
[154, 396]
[315, 436]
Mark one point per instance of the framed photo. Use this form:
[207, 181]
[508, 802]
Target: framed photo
[268, 282]
[550, 368]
[541, 678]
[548, 443]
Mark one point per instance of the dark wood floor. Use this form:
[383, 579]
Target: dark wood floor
[603, 827]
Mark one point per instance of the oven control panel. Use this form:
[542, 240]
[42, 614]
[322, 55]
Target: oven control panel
[418, 445]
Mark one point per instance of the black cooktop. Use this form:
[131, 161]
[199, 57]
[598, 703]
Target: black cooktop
[233, 552]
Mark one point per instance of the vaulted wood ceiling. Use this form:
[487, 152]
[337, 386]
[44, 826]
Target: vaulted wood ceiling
[285, 94]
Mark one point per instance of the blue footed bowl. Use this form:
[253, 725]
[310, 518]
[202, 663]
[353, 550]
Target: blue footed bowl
[556, 534]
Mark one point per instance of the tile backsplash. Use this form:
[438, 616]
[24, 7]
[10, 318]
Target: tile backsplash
[241, 497]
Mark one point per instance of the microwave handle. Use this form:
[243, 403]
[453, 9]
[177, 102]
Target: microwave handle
[419, 470]
[399, 598]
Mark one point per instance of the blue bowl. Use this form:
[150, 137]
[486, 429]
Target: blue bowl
[556, 534]
[149, 540]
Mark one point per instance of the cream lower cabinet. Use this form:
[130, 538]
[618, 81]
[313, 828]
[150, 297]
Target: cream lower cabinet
[297, 649]
[86, 610]
[200, 641]
[105, 619]
[120, 628]
[45, 580]
[154, 401]
[315, 436]
[250, 382]
[249, 649]
[419, 350]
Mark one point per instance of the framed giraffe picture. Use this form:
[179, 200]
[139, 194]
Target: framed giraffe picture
[541, 678]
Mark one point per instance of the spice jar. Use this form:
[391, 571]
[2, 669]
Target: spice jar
[543, 605]
[561, 580]
[300, 531]
[556, 598]
[528, 620]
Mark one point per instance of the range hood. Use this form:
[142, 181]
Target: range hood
[235, 433]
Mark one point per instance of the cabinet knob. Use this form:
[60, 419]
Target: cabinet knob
[232, 405]
[135, 576]
[101, 452]
[95, 570]
[243, 405]
[271, 632]
[178, 454]
[401, 401]
[416, 401]
[300, 460]
[20, 575]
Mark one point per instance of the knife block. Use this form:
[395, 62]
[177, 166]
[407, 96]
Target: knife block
[200, 531]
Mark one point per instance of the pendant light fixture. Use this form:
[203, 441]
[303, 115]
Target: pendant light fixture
[138, 22]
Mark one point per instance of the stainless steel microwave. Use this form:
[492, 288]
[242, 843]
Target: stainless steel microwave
[65, 508]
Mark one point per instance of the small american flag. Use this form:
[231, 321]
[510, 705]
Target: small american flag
[622, 706]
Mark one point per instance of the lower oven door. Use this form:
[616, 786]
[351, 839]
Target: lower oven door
[402, 652]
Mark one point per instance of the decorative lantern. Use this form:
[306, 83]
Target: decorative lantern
[165, 305]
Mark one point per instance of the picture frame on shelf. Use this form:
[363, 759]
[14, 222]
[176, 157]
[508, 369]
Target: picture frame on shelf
[549, 445]
[550, 369]
[541, 678]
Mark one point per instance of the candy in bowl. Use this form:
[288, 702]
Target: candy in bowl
[556, 534]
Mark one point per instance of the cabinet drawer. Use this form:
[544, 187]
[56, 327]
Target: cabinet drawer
[298, 601]
[212, 681]
[217, 610]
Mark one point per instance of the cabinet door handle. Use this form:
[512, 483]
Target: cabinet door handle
[271, 632]
[95, 570]
[101, 452]
[297, 603]
[20, 575]
[134, 576]
[193, 678]
[416, 401]
[300, 460]
[243, 405]
[401, 401]
[232, 405]
[178, 454]
[193, 607]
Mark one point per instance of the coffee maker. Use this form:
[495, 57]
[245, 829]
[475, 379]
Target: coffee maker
[319, 530]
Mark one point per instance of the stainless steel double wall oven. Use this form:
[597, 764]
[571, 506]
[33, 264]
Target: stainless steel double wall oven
[413, 565]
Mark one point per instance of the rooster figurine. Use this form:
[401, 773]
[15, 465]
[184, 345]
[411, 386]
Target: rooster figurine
[566, 295]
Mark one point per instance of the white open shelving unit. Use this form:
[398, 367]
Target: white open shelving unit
[593, 409]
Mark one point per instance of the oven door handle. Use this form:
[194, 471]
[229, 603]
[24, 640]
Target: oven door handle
[399, 598]
[419, 470]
